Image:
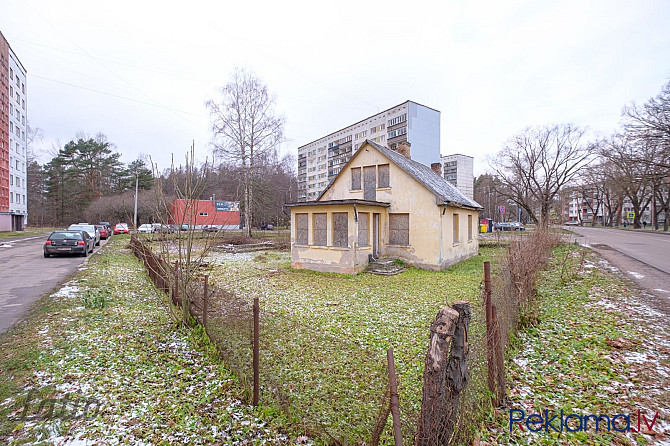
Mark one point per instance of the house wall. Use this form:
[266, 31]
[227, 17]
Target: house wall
[430, 233]
[351, 259]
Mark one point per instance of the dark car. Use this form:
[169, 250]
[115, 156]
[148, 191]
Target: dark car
[68, 242]
[104, 232]
[210, 228]
[267, 226]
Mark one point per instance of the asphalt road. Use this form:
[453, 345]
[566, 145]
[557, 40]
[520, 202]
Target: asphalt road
[647, 247]
[27, 276]
[644, 257]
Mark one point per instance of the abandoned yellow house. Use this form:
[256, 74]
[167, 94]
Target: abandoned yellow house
[383, 204]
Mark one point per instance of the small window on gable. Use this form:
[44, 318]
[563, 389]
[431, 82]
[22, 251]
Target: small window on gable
[383, 176]
[301, 229]
[356, 178]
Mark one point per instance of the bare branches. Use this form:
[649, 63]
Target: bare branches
[245, 128]
[537, 163]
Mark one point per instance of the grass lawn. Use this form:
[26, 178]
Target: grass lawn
[27, 233]
[106, 337]
[324, 336]
[600, 348]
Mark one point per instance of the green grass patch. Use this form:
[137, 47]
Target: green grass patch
[565, 361]
[155, 383]
[324, 336]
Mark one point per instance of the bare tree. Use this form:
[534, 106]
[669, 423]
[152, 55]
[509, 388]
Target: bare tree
[632, 162]
[651, 122]
[537, 163]
[246, 129]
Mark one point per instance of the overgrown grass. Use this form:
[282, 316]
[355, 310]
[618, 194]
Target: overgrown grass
[324, 336]
[567, 360]
[157, 383]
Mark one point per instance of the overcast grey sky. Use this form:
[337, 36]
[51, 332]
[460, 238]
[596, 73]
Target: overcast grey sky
[141, 71]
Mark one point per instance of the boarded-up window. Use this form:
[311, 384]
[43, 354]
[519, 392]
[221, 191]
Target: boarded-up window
[340, 229]
[383, 175]
[456, 229]
[356, 178]
[301, 229]
[399, 229]
[320, 229]
[370, 183]
[469, 227]
[363, 224]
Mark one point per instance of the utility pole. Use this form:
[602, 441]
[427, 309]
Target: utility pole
[137, 179]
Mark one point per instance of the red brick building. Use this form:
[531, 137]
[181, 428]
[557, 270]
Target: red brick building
[222, 214]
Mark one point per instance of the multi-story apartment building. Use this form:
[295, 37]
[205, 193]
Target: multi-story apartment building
[321, 160]
[13, 128]
[458, 170]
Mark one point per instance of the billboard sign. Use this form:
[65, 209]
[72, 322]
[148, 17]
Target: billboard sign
[227, 206]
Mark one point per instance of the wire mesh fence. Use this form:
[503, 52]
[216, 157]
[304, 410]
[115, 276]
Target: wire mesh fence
[299, 391]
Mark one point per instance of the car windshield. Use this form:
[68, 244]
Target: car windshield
[66, 236]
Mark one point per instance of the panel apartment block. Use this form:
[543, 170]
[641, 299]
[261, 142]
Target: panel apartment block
[458, 170]
[320, 161]
[13, 129]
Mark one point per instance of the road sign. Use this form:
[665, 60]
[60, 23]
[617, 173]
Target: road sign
[631, 215]
[554, 215]
[502, 209]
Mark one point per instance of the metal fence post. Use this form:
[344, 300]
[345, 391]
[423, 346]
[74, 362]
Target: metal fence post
[395, 404]
[256, 350]
[490, 340]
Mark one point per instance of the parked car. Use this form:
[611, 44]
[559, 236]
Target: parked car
[68, 242]
[210, 228]
[571, 223]
[91, 229]
[108, 225]
[161, 228]
[183, 227]
[104, 233]
[510, 226]
[145, 229]
[268, 226]
[121, 228]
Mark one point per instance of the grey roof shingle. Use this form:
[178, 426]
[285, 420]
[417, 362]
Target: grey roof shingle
[426, 176]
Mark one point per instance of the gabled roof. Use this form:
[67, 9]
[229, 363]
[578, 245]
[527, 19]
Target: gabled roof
[443, 190]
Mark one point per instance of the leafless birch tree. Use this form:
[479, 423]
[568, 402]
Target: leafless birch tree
[245, 129]
[537, 163]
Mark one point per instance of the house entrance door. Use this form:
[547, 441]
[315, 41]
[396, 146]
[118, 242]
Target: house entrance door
[375, 235]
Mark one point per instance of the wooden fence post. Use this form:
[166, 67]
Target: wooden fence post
[256, 351]
[395, 404]
[499, 353]
[445, 374]
[175, 292]
[490, 335]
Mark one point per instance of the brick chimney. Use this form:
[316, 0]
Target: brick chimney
[404, 149]
[437, 168]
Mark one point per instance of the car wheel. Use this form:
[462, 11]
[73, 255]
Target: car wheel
[97, 243]
[85, 254]
[47, 255]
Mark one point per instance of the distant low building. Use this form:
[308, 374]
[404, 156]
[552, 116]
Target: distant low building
[384, 204]
[198, 213]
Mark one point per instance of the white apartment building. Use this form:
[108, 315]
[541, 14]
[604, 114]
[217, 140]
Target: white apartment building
[13, 203]
[321, 160]
[458, 170]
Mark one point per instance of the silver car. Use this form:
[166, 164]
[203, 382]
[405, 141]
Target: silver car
[91, 229]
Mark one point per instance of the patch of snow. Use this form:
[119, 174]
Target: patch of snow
[636, 275]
